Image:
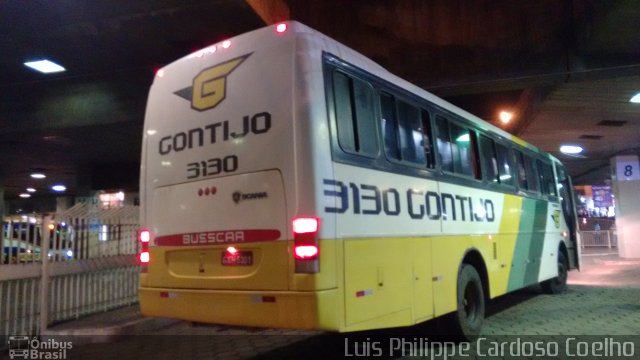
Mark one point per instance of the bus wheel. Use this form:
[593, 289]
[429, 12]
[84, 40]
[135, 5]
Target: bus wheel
[559, 283]
[469, 315]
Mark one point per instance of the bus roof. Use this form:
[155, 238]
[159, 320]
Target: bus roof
[350, 55]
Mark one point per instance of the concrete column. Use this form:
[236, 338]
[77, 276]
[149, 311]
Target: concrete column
[626, 187]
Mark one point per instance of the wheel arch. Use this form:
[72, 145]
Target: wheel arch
[562, 247]
[474, 258]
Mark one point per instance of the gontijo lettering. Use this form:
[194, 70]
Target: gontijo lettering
[369, 200]
[220, 131]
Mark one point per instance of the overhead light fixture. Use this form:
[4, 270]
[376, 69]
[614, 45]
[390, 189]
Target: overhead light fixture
[38, 176]
[635, 98]
[25, 195]
[45, 66]
[505, 116]
[59, 188]
[571, 149]
[31, 190]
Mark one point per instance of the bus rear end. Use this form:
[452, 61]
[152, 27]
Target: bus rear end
[226, 236]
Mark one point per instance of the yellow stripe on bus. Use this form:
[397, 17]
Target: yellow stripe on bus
[506, 243]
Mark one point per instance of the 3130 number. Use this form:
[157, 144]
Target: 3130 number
[211, 167]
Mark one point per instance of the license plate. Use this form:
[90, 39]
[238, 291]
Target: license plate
[241, 258]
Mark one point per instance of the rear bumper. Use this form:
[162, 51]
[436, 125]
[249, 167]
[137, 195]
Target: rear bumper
[277, 309]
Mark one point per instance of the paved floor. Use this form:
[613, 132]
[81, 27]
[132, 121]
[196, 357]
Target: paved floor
[603, 302]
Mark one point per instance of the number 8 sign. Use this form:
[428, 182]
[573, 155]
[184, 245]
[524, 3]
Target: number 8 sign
[627, 168]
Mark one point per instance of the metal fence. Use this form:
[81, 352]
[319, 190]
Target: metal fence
[599, 238]
[63, 266]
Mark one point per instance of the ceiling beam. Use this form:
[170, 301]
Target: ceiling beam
[270, 11]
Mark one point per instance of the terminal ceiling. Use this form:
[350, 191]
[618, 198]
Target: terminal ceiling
[566, 68]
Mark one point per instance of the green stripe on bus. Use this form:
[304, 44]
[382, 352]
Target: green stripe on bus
[529, 244]
[537, 243]
[523, 242]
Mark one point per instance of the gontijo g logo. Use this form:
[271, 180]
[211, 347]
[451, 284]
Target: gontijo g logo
[210, 85]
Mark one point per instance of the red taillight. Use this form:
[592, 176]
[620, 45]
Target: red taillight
[144, 236]
[305, 225]
[281, 28]
[144, 257]
[306, 250]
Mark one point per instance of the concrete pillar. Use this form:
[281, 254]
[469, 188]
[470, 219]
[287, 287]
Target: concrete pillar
[626, 187]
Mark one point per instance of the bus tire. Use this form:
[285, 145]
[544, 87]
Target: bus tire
[558, 284]
[469, 315]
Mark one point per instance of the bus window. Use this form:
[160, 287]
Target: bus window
[355, 116]
[548, 186]
[457, 148]
[504, 169]
[389, 126]
[402, 129]
[427, 142]
[410, 131]
[522, 173]
[489, 159]
[532, 174]
[445, 154]
[565, 193]
[463, 150]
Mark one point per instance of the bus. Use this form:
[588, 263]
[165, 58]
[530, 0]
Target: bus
[288, 181]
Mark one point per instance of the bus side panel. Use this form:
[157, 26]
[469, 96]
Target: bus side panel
[478, 220]
[553, 237]
[378, 279]
[381, 242]
[447, 252]
[421, 253]
[529, 244]
[505, 244]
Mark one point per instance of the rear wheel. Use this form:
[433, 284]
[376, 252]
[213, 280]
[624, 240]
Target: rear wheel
[558, 284]
[469, 315]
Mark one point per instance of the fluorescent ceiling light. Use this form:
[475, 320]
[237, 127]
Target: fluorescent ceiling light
[635, 98]
[31, 190]
[59, 188]
[45, 66]
[571, 149]
[25, 195]
[38, 176]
